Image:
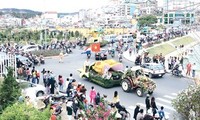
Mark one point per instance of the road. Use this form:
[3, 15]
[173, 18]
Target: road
[167, 87]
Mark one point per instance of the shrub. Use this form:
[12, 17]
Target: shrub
[187, 103]
[21, 111]
[9, 90]
[47, 53]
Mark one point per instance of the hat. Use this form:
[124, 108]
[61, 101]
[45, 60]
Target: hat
[137, 104]
[69, 103]
[118, 115]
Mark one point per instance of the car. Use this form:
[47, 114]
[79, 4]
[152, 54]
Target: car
[126, 38]
[153, 69]
[31, 89]
[24, 60]
[110, 38]
[29, 48]
[102, 55]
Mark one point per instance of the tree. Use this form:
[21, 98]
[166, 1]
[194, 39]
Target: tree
[21, 111]
[9, 90]
[187, 103]
[147, 20]
[77, 34]
[72, 34]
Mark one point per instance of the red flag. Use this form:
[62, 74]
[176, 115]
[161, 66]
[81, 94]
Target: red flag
[95, 47]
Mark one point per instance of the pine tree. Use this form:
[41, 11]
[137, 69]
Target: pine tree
[9, 90]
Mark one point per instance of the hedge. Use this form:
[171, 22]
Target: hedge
[47, 53]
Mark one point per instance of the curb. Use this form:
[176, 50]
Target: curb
[51, 57]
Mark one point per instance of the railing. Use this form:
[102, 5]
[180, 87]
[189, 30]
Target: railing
[7, 60]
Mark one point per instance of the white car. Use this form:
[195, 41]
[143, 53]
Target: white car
[30, 89]
[29, 48]
[153, 69]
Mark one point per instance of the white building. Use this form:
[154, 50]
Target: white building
[82, 14]
[50, 15]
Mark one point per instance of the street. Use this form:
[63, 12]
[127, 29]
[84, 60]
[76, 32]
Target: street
[167, 87]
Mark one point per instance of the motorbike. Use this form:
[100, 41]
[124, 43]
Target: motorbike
[176, 72]
[42, 61]
[112, 53]
[74, 46]
[120, 59]
[88, 56]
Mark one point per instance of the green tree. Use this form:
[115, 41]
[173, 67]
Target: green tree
[77, 34]
[21, 111]
[9, 90]
[147, 20]
[187, 103]
[72, 34]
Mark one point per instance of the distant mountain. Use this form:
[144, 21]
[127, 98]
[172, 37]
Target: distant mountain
[20, 13]
[26, 13]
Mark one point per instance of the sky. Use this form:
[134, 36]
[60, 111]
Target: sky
[54, 5]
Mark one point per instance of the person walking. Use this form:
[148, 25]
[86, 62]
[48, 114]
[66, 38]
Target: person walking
[161, 113]
[136, 111]
[153, 105]
[147, 103]
[140, 115]
[86, 65]
[92, 95]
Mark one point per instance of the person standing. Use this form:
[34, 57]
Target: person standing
[61, 57]
[92, 95]
[153, 105]
[189, 66]
[115, 97]
[147, 103]
[69, 110]
[60, 82]
[86, 65]
[136, 111]
[140, 115]
[194, 70]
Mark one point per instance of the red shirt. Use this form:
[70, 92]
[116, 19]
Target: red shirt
[53, 117]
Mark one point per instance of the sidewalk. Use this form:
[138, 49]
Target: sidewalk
[177, 52]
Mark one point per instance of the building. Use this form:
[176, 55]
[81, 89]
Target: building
[50, 15]
[148, 7]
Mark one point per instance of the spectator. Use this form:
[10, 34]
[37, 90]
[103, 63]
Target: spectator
[154, 107]
[147, 102]
[140, 115]
[136, 111]
[194, 70]
[69, 110]
[189, 66]
[115, 97]
[92, 95]
[60, 82]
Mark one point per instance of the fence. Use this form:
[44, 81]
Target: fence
[7, 60]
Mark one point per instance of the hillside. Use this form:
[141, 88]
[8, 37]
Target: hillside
[19, 13]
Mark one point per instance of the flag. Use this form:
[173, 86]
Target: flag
[87, 48]
[95, 47]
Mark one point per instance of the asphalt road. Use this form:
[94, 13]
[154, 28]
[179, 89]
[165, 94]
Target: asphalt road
[167, 87]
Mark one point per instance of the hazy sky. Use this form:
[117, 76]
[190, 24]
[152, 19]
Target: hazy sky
[53, 5]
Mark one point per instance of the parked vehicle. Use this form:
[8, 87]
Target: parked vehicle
[24, 60]
[29, 48]
[110, 38]
[31, 89]
[153, 69]
[126, 38]
[134, 79]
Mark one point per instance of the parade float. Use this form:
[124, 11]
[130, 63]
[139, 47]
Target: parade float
[135, 79]
[107, 73]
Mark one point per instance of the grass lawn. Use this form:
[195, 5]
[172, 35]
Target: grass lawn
[164, 49]
[183, 41]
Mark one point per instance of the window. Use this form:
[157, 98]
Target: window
[166, 15]
[171, 15]
[188, 15]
